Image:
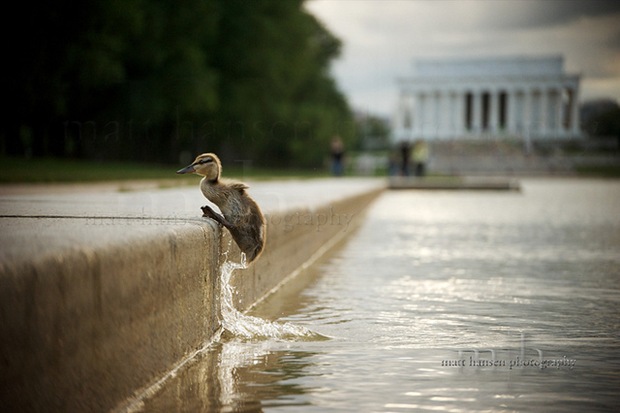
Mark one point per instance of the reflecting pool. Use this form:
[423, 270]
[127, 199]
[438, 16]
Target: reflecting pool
[441, 301]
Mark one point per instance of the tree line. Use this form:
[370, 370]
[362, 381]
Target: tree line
[146, 80]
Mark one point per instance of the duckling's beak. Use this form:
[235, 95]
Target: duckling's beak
[187, 170]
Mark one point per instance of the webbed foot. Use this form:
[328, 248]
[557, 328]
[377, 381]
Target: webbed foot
[207, 212]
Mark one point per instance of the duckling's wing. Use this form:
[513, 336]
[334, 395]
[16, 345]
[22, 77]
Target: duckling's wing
[238, 186]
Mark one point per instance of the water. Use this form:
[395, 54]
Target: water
[442, 301]
[240, 326]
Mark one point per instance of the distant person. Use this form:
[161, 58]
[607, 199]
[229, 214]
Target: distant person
[420, 157]
[393, 163]
[405, 152]
[337, 155]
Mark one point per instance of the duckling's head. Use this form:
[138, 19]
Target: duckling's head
[207, 165]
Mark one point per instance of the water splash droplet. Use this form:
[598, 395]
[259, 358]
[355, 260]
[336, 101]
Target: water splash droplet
[246, 327]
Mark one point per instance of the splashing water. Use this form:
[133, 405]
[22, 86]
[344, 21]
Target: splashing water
[248, 327]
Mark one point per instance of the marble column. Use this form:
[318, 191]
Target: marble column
[511, 111]
[526, 113]
[494, 111]
[527, 119]
[476, 111]
[436, 114]
[459, 113]
[544, 109]
[441, 112]
[419, 110]
[563, 112]
[448, 113]
[429, 109]
[440, 108]
[558, 129]
[574, 108]
[454, 114]
[401, 117]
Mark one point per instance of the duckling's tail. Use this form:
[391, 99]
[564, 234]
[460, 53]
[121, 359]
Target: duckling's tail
[250, 244]
[254, 253]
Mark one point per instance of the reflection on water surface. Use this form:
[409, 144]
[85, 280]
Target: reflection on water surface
[442, 301]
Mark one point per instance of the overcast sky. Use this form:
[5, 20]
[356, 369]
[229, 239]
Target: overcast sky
[381, 38]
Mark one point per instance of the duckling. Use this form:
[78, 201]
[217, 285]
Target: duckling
[241, 215]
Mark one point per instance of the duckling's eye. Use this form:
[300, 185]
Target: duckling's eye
[203, 161]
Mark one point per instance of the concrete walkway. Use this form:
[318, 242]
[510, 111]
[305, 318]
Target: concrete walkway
[102, 292]
[36, 225]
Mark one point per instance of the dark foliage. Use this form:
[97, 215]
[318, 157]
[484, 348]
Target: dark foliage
[601, 118]
[147, 80]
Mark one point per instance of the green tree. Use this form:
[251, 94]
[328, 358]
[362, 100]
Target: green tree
[601, 117]
[145, 80]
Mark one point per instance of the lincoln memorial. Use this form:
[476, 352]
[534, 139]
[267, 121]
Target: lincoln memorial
[528, 98]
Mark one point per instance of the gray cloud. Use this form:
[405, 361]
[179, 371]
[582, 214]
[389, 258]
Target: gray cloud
[554, 12]
[530, 14]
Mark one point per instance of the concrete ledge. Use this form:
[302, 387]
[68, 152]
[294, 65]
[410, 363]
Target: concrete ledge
[81, 328]
[102, 294]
